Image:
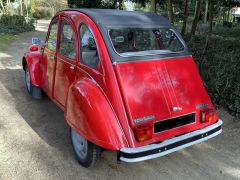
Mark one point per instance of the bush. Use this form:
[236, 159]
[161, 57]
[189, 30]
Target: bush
[43, 13]
[220, 68]
[15, 24]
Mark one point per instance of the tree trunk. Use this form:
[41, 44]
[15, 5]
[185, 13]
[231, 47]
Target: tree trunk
[209, 35]
[120, 5]
[206, 12]
[115, 4]
[20, 8]
[196, 17]
[170, 10]
[185, 17]
[225, 16]
[228, 15]
[8, 3]
[2, 7]
[153, 6]
[195, 9]
[26, 6]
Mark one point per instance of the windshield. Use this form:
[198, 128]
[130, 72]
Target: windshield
[137, 41]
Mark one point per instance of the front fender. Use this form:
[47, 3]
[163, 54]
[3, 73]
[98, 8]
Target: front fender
[90, 114]
[32, 60]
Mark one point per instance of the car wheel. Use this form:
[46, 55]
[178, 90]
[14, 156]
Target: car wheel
[86, 152]
[34, 91]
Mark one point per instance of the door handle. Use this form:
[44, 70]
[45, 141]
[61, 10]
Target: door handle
[72, 67]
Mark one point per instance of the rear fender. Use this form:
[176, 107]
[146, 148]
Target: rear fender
[90, 114]
[32, 60]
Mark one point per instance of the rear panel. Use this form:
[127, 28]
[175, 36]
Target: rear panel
[168, 94]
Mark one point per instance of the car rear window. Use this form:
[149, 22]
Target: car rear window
[140, 41]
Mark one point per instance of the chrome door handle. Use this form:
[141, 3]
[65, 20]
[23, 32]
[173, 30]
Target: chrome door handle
[72, 67]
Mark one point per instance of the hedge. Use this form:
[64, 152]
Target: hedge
[15, 24]
[220, 68]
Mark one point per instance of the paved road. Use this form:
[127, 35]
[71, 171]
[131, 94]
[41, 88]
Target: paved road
[34, 140]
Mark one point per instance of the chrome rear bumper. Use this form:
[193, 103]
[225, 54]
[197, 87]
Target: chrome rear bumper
[170, 145]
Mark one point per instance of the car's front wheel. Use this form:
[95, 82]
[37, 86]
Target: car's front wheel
[34, 91]
[86, 152]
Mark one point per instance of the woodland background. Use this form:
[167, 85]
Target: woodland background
[211, 28]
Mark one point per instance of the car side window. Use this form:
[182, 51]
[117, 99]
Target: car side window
[67, 45]
[52, 38]
[89, 53]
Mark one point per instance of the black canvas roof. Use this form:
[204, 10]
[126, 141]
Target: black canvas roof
[111, 17]
[106, 19]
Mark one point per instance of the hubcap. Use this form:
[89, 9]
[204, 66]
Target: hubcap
[79, 144]
[27, 79]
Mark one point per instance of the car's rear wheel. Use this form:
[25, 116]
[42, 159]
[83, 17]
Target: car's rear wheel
[86, 152]
[34, 91]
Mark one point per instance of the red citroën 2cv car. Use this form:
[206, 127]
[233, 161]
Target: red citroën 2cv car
[125, 81]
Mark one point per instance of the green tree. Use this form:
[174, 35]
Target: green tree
[198, 9]
[185, 17]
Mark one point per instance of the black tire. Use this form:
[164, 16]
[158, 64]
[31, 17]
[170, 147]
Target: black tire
[92, 152]
[34, 91]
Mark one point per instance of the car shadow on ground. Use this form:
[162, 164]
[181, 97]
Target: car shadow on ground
[44, 117]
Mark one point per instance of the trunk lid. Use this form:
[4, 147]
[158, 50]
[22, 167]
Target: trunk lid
[156, 90]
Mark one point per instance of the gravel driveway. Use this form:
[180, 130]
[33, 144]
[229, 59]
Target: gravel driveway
[35, 144]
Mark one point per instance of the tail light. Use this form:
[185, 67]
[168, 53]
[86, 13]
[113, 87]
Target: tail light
[207, 115]
[143, 132]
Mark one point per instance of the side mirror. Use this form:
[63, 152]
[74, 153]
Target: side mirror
[33, 47]
[37, 41]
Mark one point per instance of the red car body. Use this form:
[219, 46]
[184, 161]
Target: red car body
[122, 105]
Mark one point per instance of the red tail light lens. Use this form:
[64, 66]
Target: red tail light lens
[143, 132]
[207, 115]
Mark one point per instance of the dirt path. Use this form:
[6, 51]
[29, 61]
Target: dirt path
[34, 140]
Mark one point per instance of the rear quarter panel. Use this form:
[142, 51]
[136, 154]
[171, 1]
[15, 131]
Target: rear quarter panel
[90, 114]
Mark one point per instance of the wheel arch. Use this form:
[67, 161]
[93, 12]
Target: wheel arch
[89, 112]
[32, 60]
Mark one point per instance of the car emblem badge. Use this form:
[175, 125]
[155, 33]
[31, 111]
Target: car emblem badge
[176, 109]
[146, 118]
[200, 106]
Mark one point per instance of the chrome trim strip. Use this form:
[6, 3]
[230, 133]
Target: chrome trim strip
[171, 141]
[158, 59]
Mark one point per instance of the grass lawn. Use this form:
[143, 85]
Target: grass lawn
[5, 40]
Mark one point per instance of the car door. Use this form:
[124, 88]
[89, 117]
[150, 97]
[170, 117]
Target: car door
[66, 61]
[49, 57]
